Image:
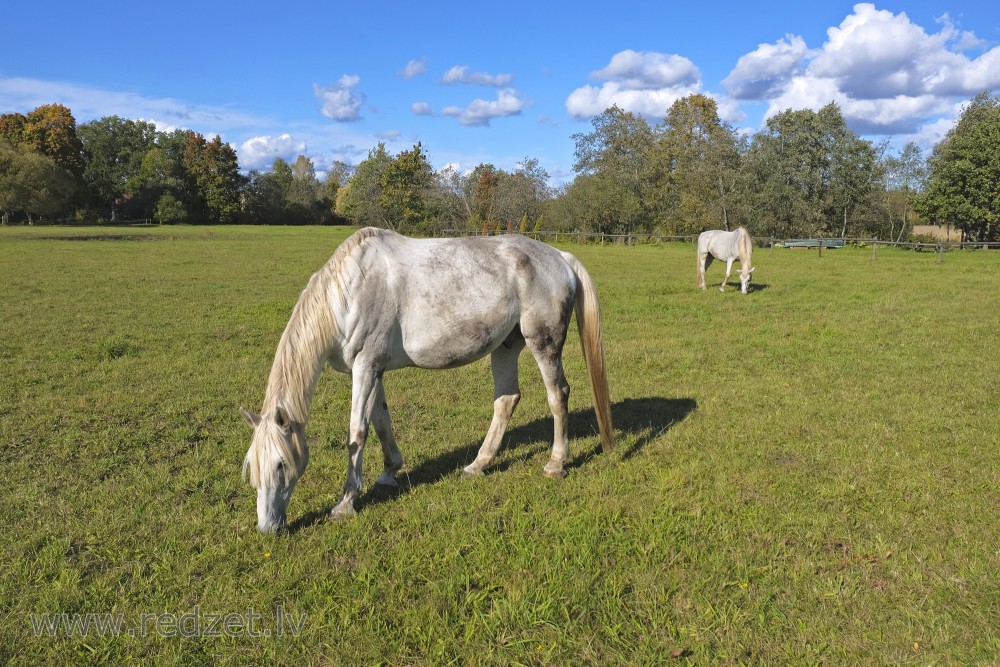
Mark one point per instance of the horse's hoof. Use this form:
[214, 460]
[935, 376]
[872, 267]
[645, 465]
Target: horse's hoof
[340, 513]
[469, 473]
[555, 474]
[388, 480]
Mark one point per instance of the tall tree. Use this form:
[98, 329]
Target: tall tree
[159, 177]
[114, 149]
[854, 171]
[406, 184]
[521, 195]
[50, 130]
[697, 162]
[617, 153]
[32, 184]
[483, 183]
[214, 168]
[905, 176]
[963, 187]
[362, 198]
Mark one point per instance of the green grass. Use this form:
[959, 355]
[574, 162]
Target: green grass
[805, 475]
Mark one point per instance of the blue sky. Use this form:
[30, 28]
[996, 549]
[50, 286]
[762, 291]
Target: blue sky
[490, 81]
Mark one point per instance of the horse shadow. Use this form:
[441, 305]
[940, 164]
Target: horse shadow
[639, 420]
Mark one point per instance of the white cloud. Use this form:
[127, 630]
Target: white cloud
[415, 68]
[764, 71]
[887, 74]
[481, 112]
[421, 109]
[647, 70]
[261, 152]
[89, 103]
[461, 74]
[340, 101]
[645, 83]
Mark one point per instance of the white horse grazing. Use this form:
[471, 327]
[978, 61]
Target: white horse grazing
[727, 247]
[385, 301]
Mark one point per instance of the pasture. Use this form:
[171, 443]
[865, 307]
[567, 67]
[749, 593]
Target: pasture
[807, 474]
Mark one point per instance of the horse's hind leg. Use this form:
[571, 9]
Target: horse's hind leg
[506, 394]
[704, 261]
[548, 354]
[391, 456]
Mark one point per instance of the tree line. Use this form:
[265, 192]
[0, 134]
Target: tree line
[805, 174]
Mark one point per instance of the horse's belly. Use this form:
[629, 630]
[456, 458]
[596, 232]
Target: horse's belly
[447, 344]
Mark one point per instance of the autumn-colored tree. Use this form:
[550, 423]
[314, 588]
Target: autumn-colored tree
[214, 168]
[484, 179]
[51, 130]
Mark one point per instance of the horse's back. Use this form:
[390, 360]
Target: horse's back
[446, 302]
[721, 244]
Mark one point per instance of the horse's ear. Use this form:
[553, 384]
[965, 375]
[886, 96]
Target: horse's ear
[752, 268]
[281, 418]
[251, 418]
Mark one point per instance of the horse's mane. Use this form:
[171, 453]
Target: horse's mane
[303, 348]
[312, 327]
[746, 246]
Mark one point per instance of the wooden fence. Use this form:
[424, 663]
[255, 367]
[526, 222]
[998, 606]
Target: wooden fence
[818, 244]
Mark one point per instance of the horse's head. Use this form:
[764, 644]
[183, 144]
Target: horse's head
[745, 277]
[276, 459]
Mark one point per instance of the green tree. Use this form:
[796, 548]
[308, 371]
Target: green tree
[114, 149]
[523, 193]
[157, 177]
[905, 176]
[963, 187]
[616, 156]
[697, 162]
[32, 184]
[406, 184]
[336, 177]
[450, 199]
[806, 174]
[783, 176]
[362, 198]
[854, 172]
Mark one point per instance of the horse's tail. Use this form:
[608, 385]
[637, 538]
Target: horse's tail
[588, 320]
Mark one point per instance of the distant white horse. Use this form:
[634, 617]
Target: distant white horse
[727, 247]
[385, 301]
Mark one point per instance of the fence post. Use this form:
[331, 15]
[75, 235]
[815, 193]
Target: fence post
[821, 247]
[874, 248]
[940, 253]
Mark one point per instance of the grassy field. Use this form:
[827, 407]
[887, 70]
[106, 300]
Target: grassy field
[804, 475]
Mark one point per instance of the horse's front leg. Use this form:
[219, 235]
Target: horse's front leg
[392, 458]
[506, 394]
[365, 380]
[729, 269]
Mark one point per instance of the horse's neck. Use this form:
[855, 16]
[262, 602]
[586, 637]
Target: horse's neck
[302, 351]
